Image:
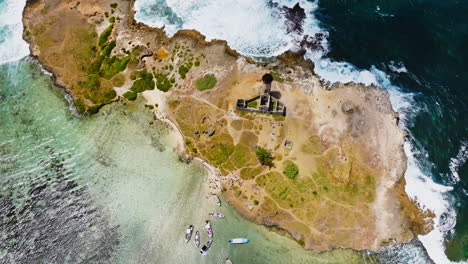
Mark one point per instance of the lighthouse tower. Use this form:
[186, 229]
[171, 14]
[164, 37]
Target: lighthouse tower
[267, 80]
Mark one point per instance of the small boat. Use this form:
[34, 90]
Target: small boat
[208, 229]
[238, 241]
[228, 261]
[216, 215]
[196, 240]
[188, 233]
[217, 200]
[204, 249]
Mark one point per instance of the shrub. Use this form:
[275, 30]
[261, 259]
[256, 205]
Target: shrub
[184, 69]
[112, 20]
[106, 51]
[206, 82]
[114, 5]
[105, 35]
[144, 83]
[291, 170]
[130, 95]
[264, 157]
[256, 202]
[163, 83]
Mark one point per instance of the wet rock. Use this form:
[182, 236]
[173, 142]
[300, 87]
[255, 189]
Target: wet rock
[294, 18]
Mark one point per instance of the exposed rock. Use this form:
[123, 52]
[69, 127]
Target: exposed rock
[348, 107]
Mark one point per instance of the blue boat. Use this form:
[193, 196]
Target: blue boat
[238, 241]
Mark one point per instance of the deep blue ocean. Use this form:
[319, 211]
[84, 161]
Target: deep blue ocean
[430, 39]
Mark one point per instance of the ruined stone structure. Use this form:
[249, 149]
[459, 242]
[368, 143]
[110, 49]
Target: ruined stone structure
[264, 103]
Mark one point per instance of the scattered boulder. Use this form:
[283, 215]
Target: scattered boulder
[349, 107]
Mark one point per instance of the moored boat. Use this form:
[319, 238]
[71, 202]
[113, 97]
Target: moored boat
[238, 241]
[228, 261]
[216, 215]
[196, 240]
[208, 229]
[188, 233]
[204, 249]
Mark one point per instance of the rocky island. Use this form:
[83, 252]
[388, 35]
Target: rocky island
[323, 164]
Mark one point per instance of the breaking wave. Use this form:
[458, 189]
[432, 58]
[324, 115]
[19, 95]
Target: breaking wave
[12, 45]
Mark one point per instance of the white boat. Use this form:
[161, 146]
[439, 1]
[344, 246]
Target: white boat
[208, 229]
[228, 261]
[238, 241]
[216, 215]
[188, 233]
[196, 240]
[204, 249]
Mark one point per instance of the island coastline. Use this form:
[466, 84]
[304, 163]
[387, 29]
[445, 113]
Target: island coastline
[182, 146]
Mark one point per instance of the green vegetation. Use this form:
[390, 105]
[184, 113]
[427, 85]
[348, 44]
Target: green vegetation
[264, 157]
[112, 20]
[184, 69]
[253, 104]
[130, 95]
[79, 105]
[256, 202]
[291, 170]
[118, 80]
[241, 156]
[105, 35]
[220, 153]
[174, 103]
[206, 82]
[144, 82]
[163, 82]
[250, 173]
[277, 77]
[114, 5]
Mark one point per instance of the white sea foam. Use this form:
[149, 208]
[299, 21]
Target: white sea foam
[255, 29]
[458, 161]
[12, 45]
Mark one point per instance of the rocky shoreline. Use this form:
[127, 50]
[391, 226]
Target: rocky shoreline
[349, 188]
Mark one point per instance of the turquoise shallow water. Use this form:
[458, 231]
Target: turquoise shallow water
[109, 188]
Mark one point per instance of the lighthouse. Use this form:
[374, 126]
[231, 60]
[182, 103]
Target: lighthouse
[267, 80]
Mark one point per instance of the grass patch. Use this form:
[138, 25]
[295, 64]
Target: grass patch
[118, 80]
[291, 170]
[240, 156]
[253, 104]
[250, 173]
[174, 103]
[206, 82]
[277, 77]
